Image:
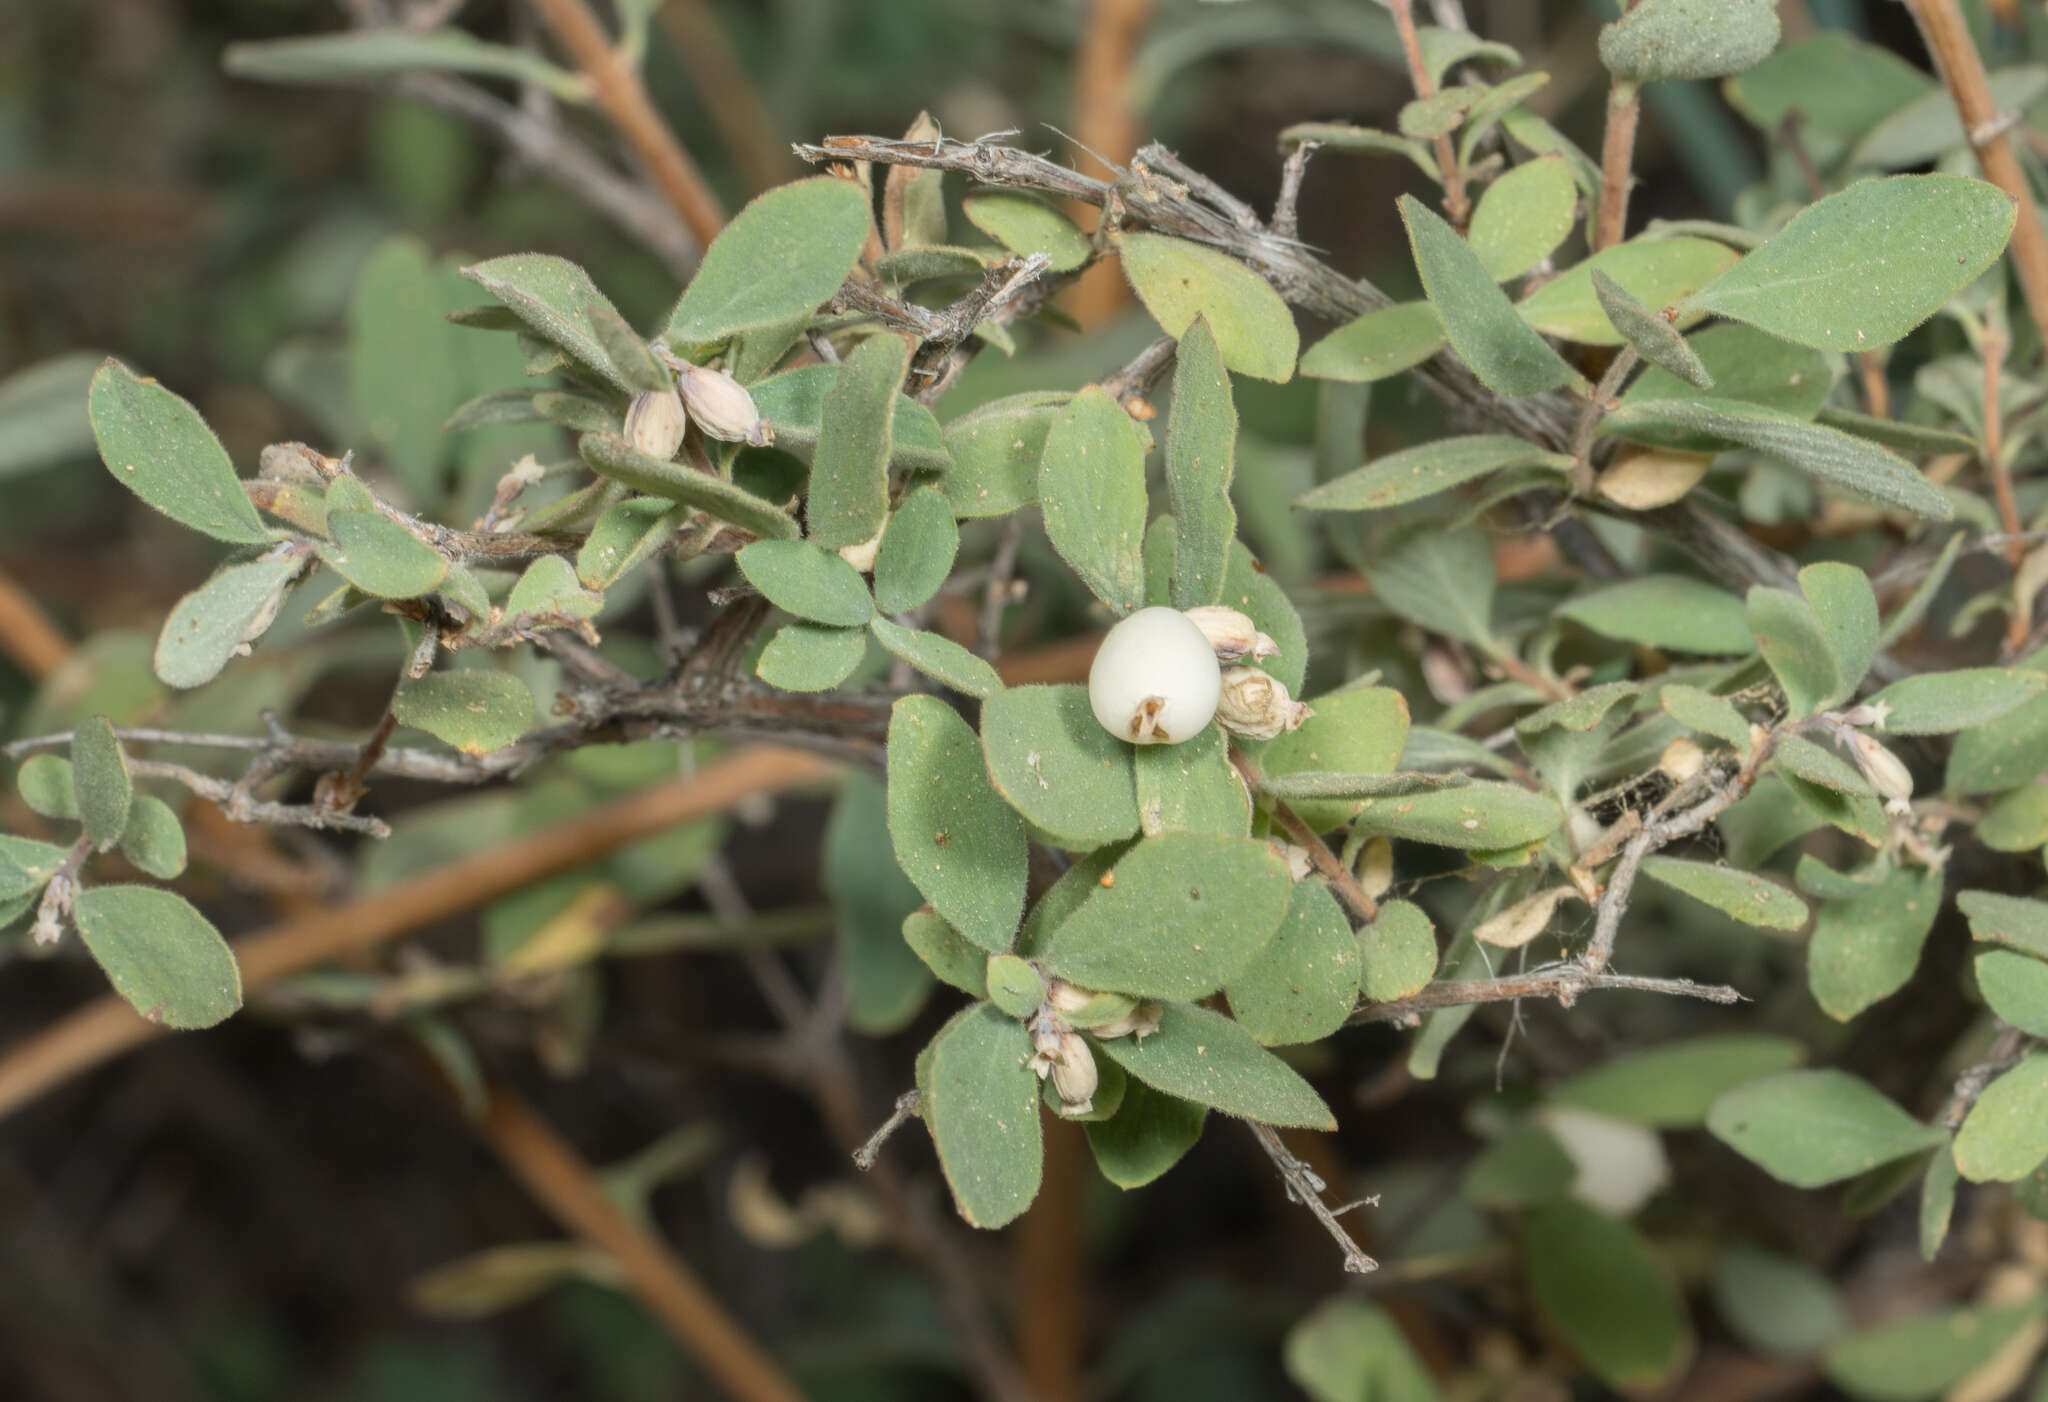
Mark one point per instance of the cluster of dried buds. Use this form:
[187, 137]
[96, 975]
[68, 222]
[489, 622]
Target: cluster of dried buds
[1156, 679]
[1060, 1053]
[714, 401]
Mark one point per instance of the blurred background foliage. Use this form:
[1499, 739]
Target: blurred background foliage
[248, 1215]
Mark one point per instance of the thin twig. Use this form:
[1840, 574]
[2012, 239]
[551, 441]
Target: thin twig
[556, 1175]
[618, 90]
[1287, 205]
[1326, 863]
[1457, 207]
[1598, 404]
[1617, 159]
[1304, 1187]
[236, 803]
[1956, 59]
[2002, 1055]
[909, 1106]
[107, 1027]
[1564, 982]
[1142, 371]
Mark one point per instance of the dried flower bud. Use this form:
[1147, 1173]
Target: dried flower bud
[721, 406]
[1299, 864]
[1154, 679]
[1140, 1022]
[655, 423]
[1231, 633]
[1376, 867]
[1256, 705]
[1074, 1075]
[1886, 771]
[1682, 759]
[1870, 713]
[1524, 920]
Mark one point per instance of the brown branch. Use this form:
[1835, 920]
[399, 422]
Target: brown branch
[1104, 126]
[1956, 59]
[1617, 159]
[1051, 1278]
[108, 1027]
[554, 1173]
[1326, 863]
[1306, 1187]
[618, 90]
[27, 636]
[1456, 206]
[744, 123]
[1564, 982]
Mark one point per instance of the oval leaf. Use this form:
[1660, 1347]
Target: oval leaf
[158, 447]
[1204, 1057]
[1813, 1128]
[160, 954]
[954, 836]
[474, 710]
[1179, 281]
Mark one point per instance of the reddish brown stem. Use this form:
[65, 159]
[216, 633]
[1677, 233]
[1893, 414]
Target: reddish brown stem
[27, 637]
[1457, 206]
[1617, 161]
[1051, 1283]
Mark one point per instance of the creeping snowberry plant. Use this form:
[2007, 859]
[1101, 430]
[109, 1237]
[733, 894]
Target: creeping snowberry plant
[1696, 589]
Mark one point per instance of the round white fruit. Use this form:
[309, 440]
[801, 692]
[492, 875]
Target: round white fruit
[1155, 680]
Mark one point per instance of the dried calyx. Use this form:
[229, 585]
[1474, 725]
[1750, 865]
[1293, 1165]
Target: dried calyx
[721, 406]
[1232, 634]
[1255, 705]
[655, 421]
[1061, 1054]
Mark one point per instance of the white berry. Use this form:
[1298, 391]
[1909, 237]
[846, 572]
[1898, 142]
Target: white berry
[1155, 680]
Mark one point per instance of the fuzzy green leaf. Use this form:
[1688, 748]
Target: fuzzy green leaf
[1148, 1135]
[475, 710]
[954, 836]
[811, 656]
[1304, 983]
[547, 590]
[996, 449]
[1666, 39]
[1936, 703]
[381, 557]
[1359, 731]
[809, 581]
[99, 773]
[1656, 273]
[1481, 323]
[872, 901]
[1480, 816]
[1091, 480]
[849, 498]
[953, 959]
[154, 840]
[1351, 1350]
[46, 784]
[2007, 920]
[1813, 1128]
[1422, 471]
[1201, 441]
[917, 551]
[1846, 606]
[1179, 281]
[1670, 611]
[1655, 339]
[2006, 1135]
[2016, 988]
[793, 405]
[1190, 787]
[1921, 1356]
[625, 536]
[1607, 1292]
[618, 460]
[1675, 1086]
[1776, 1304]
[1793, 642]
[1204, 1057]
[554, 298]
[772, 266]
[1864, 948]
[1860, 268]
[1524, 216]
[1397, 953]
[1747, 897]
[939, 658]
[981, 1106]
[1025, 226]
[1054, 762]
[1376, 345]
[160, 954]
[156, 445]
[1706, 714]
[1441, 578]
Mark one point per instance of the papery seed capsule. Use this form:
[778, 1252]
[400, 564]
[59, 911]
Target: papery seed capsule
[655, 423]
[1376, 866]
[1139, 1023]
[1154, 680]
[1682, 759]
[1231, 633]
[1256, 705]
[1074, 1075]
[721, 406]
[1886, 771]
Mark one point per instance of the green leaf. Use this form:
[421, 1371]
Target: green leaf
[404, 371]
[1179, 281]
[1252, 591]
[1744, 895]
[2016, 822]
[1201, 439]
[1606, 1291]
[547, 590]
[849, 498]
[2006, 753]
[381, 557]
[46, 785]
[1056, 765]
[1524, 1165]
[25, 864]
[616, 459]
[2006, 1135]
[1183, 914]
[160, 954]
[996, 449]
[1654, 339]
[1524, 216]
[938, 657]
[1675, 1086]
[1426, 469]
[1439, 577]
[1025, 226]
[1303, 985]
[1376, 345]
[955, 960]
[1439, 114]
[555, 298]
[154, 840]
[1935, 703]
[1840, 85]
[156, 445]
[981, 1106]
[1342, 136]
[1912, 440]
[1920, 1357]
[42, 418]
[1832, 787]
[1357, 731]
[1706, 714]
[872, 902]
[1670, 611]
[793, 405]
[1844, 603]
[1350, 1350]
[2016, 989]
[1775, 1304]
[813, 583]
[2007, 920]
[1925, 237]
[473, 709]
[811, 656]
[1927, 126]
[954, 836]
[1148, 1135]
[99, 773]
[1091, 480]
[1204, 1057]
[1481, 816]
[1397, 953]
[1813, 1128]
[1665, 39]
[631, 361]
[1481, 323]
[625, 536]
[1191, 787]
[376, 54]
[1655, 272]
[1794, 644]
[917, 551]
[771, 267]
[1865, 948]
[1747, 366]
[1014, 986]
